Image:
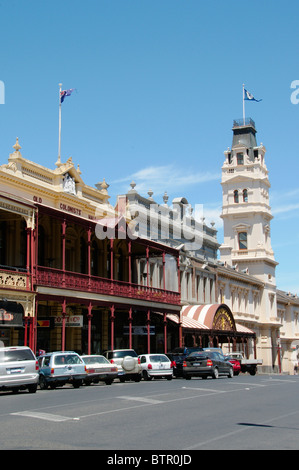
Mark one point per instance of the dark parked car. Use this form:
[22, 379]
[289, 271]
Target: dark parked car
[206, 363]
[177, 357]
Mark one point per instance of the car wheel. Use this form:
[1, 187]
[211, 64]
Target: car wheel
[231, 373]
[32, 388]
[169, 377]
[77, 383]
[43, 385]
[146, 376]
[215, 373]
[188, 377]
[108, 382]
[122, 379]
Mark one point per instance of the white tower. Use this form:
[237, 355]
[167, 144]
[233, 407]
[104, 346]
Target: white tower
[246, 215]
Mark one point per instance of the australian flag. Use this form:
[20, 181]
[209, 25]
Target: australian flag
[65, 93]
[249, 96]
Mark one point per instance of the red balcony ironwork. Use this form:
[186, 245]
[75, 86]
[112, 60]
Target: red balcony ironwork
[51, 277]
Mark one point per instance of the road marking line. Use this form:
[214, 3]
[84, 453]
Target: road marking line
[46, 416]
[204, 389]
[142, 399]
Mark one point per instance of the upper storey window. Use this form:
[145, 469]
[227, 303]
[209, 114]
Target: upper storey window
[236, 196]
[240, 159]
[242, 238]
[245, 195]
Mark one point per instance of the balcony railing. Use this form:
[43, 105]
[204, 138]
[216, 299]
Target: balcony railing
[244, 122]
[12, 277]
[51, 277]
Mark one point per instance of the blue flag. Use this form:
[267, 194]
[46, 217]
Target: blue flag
[65, 93]
[248, 96]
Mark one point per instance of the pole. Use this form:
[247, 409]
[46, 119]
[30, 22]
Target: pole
[58, 163]
[243, 106]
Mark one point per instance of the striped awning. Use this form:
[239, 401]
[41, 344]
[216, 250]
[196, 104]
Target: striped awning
[204, 314]
[202, 317]
[187, 322]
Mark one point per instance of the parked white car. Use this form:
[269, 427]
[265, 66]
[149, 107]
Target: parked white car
[155, 365]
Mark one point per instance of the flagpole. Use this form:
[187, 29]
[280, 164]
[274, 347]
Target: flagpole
[58, 163]
[243, 106]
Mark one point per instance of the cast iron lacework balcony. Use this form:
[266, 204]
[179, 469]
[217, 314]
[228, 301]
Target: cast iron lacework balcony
[51, 277]
[13, 277]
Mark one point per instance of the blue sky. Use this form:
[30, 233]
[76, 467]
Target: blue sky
[158, 85]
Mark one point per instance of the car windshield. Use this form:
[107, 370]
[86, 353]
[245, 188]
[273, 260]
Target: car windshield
[95, 360]
[159, 358]
[67, 359]
[16, 355]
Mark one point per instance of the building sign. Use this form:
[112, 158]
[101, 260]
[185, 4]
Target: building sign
[71, 209]
[10, 318]
[70, 320]
[139, 330]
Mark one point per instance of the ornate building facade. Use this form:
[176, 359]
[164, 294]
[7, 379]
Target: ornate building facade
[71, 276]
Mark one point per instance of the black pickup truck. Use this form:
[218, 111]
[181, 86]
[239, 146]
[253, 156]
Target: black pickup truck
[177, 356]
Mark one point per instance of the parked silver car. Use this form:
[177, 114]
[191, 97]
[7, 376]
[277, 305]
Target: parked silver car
[59, 368]
[128, 363]
[18, 369]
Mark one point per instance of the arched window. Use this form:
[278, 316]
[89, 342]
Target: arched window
[245, 195]
[236, 196]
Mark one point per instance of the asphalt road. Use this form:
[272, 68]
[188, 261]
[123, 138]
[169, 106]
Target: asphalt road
[242, 413]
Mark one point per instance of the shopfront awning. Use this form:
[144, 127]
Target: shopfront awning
[187, 322]
[211, 317]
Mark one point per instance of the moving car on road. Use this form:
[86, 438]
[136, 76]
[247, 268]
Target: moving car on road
[204, 364]
[99, 368]
[155, 365]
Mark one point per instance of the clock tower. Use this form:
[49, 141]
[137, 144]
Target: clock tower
[246, 212]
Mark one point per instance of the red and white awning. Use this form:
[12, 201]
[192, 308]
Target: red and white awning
[204, 314]
[202, 317]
